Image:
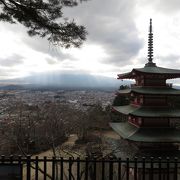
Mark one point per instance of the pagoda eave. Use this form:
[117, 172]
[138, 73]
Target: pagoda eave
[150, 135]
[150, 91]
[148, 111]
[154, 71]
[158, 70]
[126, 110]
[126, 76]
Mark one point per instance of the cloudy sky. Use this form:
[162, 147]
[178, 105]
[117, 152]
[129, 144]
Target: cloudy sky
[117, 40]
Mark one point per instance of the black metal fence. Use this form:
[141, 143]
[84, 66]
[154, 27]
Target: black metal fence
[36, 168]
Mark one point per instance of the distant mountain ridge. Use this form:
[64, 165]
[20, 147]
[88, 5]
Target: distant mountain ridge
[67, 80]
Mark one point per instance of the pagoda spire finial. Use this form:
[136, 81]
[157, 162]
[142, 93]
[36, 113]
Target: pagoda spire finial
[150, 46]
[150, 43]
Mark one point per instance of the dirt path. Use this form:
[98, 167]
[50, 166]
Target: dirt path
[68, 144]
[49, 153]
[73, 137]
[71, 140]
[108, 134]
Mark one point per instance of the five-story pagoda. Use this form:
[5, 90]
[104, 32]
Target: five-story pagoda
[150, 113]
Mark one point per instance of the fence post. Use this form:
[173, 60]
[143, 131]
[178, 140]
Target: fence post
[103, 167]
[28, 163]
[19, 159]
[86, 168]
[94, 170]
[62, 161]
[119, 169]
[36, 167]
[11, 159]
[135, 168]
[70, 168]
[20, 163]
[78, 168]
[168, 170]
[53, 167]
[110, 168]
[159, 164]
[2, 159]
[143, 170]
[45, 167]
[175, 168]
[151, 169]
[127, 169]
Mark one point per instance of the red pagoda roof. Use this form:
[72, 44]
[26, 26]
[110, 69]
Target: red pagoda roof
[155, 70]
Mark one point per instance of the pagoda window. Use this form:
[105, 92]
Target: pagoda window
[154, 82]
[174, 122]
[155, 101]
[137, 100]
[140, 81]
[151, 76]
[136, 121]
[169, 85]
[141, 100]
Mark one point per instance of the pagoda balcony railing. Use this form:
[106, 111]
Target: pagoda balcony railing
[169, 85]
[133, 85]
[136, 104]
[54, 168]
[155, 85]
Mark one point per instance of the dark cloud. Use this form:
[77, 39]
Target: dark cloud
[111, 25]
[36, 43]
[43, 46]
[11, 61]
